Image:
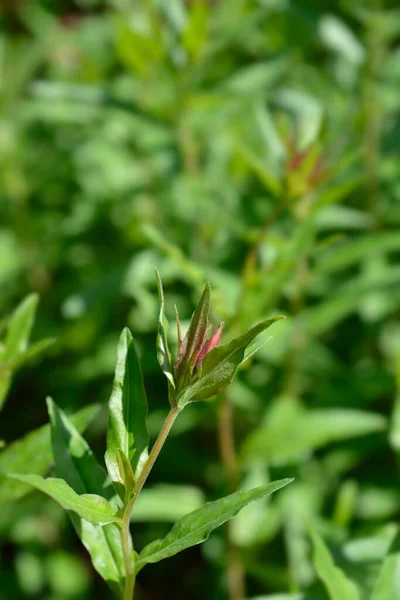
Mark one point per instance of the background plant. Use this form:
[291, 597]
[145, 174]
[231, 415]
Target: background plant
[251, 144]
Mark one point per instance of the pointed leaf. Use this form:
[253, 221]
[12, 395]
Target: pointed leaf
[388, 584]
[255, 347]
[127, 429]
[32, 454]
[194, 338]
[285, 597]
[5, 383]
[19, 328]
[166, 502]
[127, 475]
[292, 431]
[76, 464]
[91, 507]
[33, 351]
[220, 365]
[195, 527]
[339, 587]
[163, 353]
[178, 328]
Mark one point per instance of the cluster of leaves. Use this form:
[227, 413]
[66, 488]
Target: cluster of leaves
[252, 144]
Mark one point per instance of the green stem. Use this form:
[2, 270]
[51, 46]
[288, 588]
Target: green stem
[155, 451]
[127, 550]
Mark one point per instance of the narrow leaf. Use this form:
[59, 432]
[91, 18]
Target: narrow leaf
[91, 507]
[166, 502]
[127, 475]
[255, 347]
[33, 351]
[127, 429]
[339, 587]
[19, 328]
[163, 353]
[32, 454]
[5, 383]
[221, 363]
[292, 431]
[195, 527]
[178, 328]
[285, 597]
[76, 464]
[388, 584]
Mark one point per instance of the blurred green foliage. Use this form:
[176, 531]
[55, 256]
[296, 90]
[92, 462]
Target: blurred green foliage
[254, 144]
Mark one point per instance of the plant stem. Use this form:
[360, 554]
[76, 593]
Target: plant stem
[127, 550]
[155, 451]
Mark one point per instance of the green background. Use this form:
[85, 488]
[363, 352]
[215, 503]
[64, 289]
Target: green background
[252, 144]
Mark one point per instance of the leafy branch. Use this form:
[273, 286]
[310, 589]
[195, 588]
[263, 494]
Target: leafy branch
[101, 503]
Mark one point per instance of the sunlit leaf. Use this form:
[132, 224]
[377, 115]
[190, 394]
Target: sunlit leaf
[293, 432]
[32, 454]
[91, 507]
[127, 429]
[19, 328]
[76, 464]
[163, 353]
[336, 582]
[195, 527]
[388, 584]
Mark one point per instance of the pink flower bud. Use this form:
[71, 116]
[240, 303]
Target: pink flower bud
[209, 344]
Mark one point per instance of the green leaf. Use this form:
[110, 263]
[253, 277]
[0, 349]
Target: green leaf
[127, 475]
[260, 169]
[32, 454]
[355, 250]
[33, 351]
[388, 584]
[291, 431]
[76, 464]
[195, 35]
[255, 347]
[91, 507]
[220, 365]
[19, 328]
[5, 383]
[127, 429]
[166, 502]
[193, 339]
[136, 51]
[14, 351]
[195, 527]
[284, 597]
[336, 582]
[163, 353]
